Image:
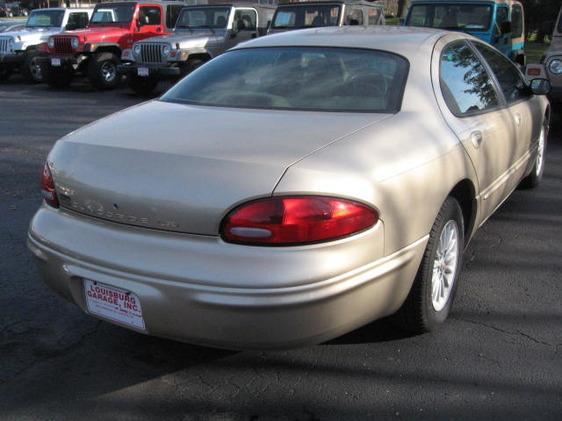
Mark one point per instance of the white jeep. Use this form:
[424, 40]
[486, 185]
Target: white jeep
[19, 50]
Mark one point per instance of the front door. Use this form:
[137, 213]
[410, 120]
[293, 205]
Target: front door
[149, 22]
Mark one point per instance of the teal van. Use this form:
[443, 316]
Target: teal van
[498, 22]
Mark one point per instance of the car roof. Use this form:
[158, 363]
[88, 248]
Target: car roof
[403, 40]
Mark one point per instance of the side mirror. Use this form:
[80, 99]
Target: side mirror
[505, 27]
[540, 86]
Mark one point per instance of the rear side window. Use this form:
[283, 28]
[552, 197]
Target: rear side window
[245, 19]
[77, 20]
[516, 21]
[172, 14]
[510, 79]
[354, 16]
[466, 86]
[150, 15]
[373, 15]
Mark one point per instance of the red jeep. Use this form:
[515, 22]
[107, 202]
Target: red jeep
[96, 51]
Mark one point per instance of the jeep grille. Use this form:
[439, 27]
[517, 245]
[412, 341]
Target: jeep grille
[4, 41]
[151, 53]
[63, 45]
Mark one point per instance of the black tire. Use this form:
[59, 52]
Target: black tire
[418, 314]
[142, 86]
[189, 66]
[5, 73]
[31, 69]
[57, 78]
[535, 176]
[102, 71]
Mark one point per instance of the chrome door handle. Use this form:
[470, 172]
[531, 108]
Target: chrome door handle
[476, 138]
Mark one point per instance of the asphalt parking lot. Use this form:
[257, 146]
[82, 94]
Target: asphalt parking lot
[499, 356]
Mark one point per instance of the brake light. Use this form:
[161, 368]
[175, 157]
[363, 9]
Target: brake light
[296, 220]
[48, 187]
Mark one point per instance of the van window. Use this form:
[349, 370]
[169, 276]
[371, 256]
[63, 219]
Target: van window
[516, 21]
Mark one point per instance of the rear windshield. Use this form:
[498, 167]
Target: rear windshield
[113, 13]
[451, 16]
[45, 19]
[293, 17]
[297, 78]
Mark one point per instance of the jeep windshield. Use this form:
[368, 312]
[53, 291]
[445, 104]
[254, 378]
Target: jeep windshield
[297, 78]
[108, 13]
[208, 17]
[45, 19]
[459, 17]
[306, 16]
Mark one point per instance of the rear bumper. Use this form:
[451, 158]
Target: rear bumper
[159, 71]
[201, 290]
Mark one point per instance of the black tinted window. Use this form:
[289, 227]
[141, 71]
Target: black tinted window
[150, 15]
[172, 15]
[516, 21]
[509, 78]
[77, 20]
[466, 85]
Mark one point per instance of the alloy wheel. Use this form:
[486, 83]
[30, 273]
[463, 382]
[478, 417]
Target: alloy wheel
[445, 265]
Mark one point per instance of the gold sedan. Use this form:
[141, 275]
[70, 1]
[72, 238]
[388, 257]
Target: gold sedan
[292, 189]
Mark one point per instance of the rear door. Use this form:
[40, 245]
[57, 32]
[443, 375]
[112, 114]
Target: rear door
[475, 110]
[524, 107]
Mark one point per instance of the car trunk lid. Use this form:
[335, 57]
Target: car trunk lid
[181, 168]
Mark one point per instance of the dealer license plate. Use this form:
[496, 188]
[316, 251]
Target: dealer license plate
[142, 71]
[114, 304]
[55, 62]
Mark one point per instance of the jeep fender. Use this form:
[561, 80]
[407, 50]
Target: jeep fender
[199, 53]
[110, 47]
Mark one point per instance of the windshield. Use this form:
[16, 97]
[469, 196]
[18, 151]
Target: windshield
[113, 13]
[45, 18]
[462, 17]
[213, 17]
[306, 16]
[297, 78]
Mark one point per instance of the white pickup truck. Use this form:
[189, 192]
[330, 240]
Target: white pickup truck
[19, 49]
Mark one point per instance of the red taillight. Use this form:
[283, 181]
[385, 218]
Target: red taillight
[296, 220]
[48, 187]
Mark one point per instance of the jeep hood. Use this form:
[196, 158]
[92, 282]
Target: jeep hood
[186, 40]
[99, 33]
[31, 34]
[182, 168]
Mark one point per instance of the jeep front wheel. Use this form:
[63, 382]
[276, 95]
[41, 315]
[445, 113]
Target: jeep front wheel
[142, 86]
[31, 68]
[102, 71]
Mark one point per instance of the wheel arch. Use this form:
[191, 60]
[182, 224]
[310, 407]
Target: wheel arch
[464, 192]
[109, 48]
